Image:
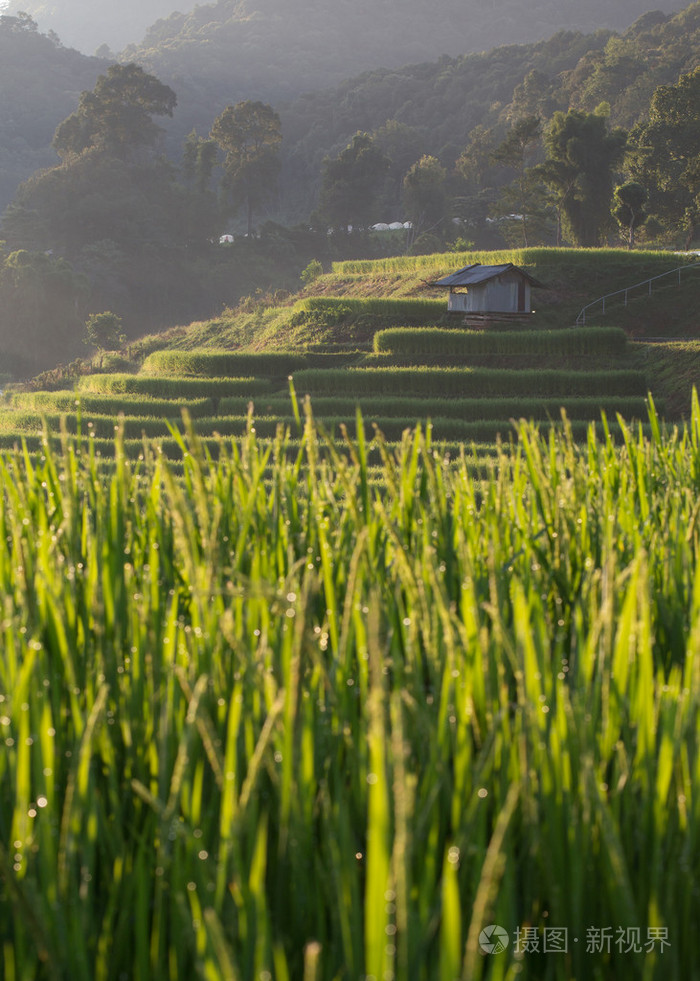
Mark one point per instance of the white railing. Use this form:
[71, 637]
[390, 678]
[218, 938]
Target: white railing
[625, 293]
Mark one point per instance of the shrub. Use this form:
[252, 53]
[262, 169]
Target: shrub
[311, 273]
[104, 331]
[332, 310]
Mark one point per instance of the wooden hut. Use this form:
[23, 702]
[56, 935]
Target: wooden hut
[498, 292]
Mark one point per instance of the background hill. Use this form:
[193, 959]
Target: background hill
[314, 42]
[141, 235]
[211, 63]
[40, 82]
[437, 105]
[276, 49]
[88, 24]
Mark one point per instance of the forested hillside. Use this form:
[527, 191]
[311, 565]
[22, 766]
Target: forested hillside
[434, 107]
[440, 101]
[89, 24]
[275, 49]
[40, 82]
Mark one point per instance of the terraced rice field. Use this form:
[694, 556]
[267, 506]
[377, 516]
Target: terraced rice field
[468, 395]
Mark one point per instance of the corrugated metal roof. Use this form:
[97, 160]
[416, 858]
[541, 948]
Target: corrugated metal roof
[473, 275]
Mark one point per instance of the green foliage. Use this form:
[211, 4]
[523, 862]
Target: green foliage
[311, 273]
[629, 202]
[581, 157]
[250, 134]
[523, 197]
[104, 331]
[352, 182]
[665, 154]
[474, 99]
[425, 199]
[116, 115]
[198, 161]
[39, 79]
[477, 695]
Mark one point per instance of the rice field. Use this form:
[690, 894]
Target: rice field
[598, 341]
[284, 714]
[426, 382]
[585, 372]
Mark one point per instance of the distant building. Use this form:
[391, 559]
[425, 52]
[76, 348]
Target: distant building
[487, 290]
[392, 226]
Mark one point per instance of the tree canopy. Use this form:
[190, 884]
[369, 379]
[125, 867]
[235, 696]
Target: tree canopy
[117, 115]
[351, 183]
[629, 201]
[581, 156]
[250, 134]
[665, 153]
[425, 197]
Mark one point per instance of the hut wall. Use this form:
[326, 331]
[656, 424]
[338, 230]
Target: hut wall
[507, 294]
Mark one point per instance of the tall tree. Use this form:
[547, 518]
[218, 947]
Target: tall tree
[514, 151]
[425, 198]
[665, 153]
[402, 144]
[352, 182]
[198, 161]
[474, 177]
[581, 158]
[250, 134]
[116, 115]
[629, 210]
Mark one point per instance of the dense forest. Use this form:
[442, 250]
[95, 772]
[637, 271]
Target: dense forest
[437, 105]
[317, 43]
[579, 139]
[40, 82]
[89, 24]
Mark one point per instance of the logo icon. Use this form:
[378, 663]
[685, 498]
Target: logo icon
[493, 939]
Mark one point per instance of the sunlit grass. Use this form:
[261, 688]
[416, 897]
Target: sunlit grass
[272, 716]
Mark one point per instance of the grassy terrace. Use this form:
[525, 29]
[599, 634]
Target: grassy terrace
[453, 377]
[354, 300]
[471, 404]
[368, 334]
